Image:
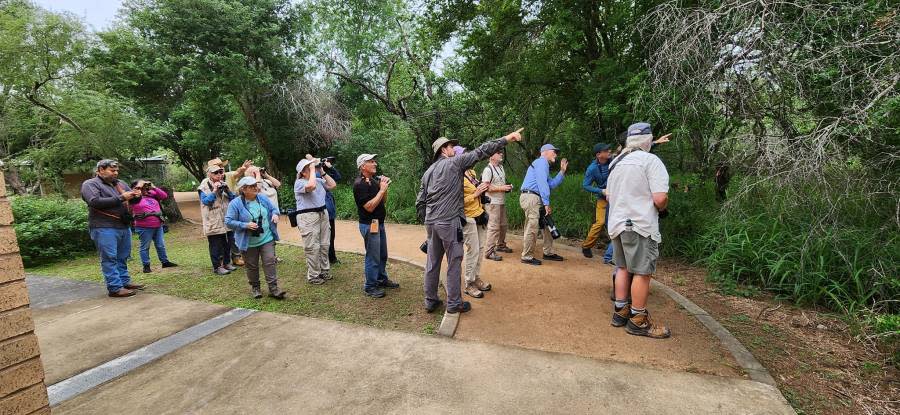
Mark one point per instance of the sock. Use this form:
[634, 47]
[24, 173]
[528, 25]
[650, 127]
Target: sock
[619, 304]
[636, 311]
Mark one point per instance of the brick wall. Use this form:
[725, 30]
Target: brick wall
[22, 389]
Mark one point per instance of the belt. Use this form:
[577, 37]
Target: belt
[531, 192]
[315, 209]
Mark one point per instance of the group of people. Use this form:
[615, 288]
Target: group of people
[464, 215]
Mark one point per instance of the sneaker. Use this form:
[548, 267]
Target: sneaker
[430, 306]
[465, 307]
[221, 271]
[277, 293]
[278, 260]
[504, 249]
[387, 283]
[553, 257]
[473, 291]
[587, 252]
[531, 261]
[620, 318]
[316, 281]
[255, 293]
[147, 269]
[640, 325]
[494, 257]
[374, 292]
[169, 264]
[483, 286]
[326, 276]
[230, 267]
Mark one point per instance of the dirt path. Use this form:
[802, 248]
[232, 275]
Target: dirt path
[558, 307]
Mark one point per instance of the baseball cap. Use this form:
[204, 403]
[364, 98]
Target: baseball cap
[212, 168]
[640, 128]
[246, 181]
[440, 142]
[217, 162]
[600, 147]
[548, 146]
[303, 163]
[363, 158]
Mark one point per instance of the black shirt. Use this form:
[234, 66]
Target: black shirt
[363, 192]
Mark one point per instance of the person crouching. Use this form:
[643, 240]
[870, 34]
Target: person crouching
[254, 220]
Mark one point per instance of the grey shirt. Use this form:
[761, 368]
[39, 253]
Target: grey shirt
[444, 194]
[309, 200]
[104, 200]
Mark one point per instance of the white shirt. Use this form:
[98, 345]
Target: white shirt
[630, 193]
[269, 191]
[496, 176]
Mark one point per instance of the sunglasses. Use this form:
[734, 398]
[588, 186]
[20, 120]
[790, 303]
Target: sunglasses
[219, 172]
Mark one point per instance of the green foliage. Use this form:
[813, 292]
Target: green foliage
[50, 228]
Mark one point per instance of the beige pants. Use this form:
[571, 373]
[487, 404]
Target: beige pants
[316, 234]
[473, 237]
[496, 228]
[531, 204]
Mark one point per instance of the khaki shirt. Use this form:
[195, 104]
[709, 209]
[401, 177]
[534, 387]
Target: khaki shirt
[213, 216]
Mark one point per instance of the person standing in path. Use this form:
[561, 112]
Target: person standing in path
[495, 176]
[370, 192]
[474, 231]
[535, 201]
[638, 190]
[330, 207]
[148, 222]
[439, 205]
[595, 182]
[214, 198]
[312, 219]
[254, 220]
[109, 224]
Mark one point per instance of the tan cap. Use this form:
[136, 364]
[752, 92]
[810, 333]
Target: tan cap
[440, 142]
[217, 162]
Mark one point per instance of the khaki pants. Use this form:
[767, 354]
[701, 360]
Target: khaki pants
[473, 237]
[496, 228]
[531, 204]
[316, 234]
[599, 221]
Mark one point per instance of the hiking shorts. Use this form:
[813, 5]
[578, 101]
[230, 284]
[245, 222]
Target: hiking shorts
[635, 253]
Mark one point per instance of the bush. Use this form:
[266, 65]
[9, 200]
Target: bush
[50, 228]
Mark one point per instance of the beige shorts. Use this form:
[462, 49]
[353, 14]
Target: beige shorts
[635, 253]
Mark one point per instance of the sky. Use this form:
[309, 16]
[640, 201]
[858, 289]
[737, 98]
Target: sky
[97, 14]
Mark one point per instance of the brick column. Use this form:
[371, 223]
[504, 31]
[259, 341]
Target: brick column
[22, 389]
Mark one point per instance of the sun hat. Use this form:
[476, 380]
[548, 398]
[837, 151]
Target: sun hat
[441, 142]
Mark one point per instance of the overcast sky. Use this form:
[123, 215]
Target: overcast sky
[97, 14]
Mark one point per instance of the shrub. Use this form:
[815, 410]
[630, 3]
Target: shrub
[50, 228]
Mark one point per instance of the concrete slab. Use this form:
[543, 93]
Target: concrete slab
[79, 335]
[46, 292]
[269, 363]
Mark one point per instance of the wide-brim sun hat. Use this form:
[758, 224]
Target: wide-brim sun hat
[303, 163]
[441, 142]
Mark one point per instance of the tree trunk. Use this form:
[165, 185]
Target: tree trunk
[170, 207]
[258, 133]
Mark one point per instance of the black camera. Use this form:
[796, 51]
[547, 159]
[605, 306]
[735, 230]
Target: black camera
[259, 228]
[147, 185]
[551, 226]
[330, 159]
[262, 170]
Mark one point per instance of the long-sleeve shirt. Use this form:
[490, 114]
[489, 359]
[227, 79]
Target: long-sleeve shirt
[104, 200]
[441, 188]
[595, 178]
[149, 204]
[329, 197]
[537, 179]
[471, 203]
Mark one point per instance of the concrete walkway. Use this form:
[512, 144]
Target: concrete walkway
[272, 363]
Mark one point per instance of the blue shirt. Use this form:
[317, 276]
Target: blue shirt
[329, 198]
[537, 179]
[313, 200]
[597, 174]
[259, 213]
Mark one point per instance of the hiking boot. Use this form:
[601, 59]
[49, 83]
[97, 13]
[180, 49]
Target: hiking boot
[483, 286]
[504, 249]
[494, 257]
[531, 261]
[640, 325]
[147, 269]
[169, 264]
[430, 306]
[465, 307]
[374, 292]
[230, 267]
[587, 252]
[620, 318]
[237, 260]
[326, 276]
[387, 283]
[221, 271]
[255, 293]
[277, 293]
[316, 281]
[473, 291]
[553, 257]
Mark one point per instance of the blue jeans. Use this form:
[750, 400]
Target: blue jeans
[376, 255]
[114, 245]
[607, 256]
[156, 235]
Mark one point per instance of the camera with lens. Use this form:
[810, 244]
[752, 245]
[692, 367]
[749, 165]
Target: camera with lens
[551, 226]
[259, 227]
[330, 159]
[147, 186]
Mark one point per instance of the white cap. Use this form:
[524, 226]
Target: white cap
[246, 181]
[364, 158]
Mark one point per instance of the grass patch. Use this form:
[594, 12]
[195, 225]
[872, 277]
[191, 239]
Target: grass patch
[340, 299]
